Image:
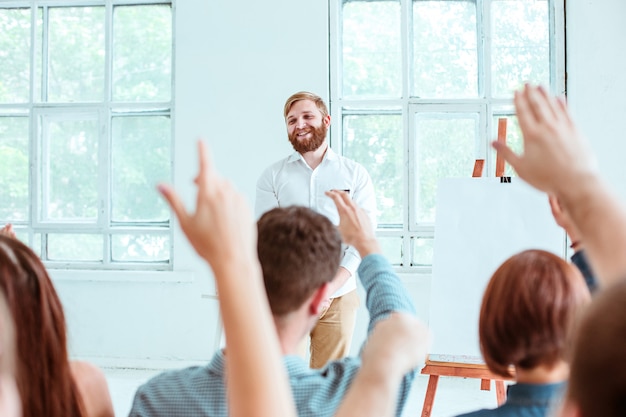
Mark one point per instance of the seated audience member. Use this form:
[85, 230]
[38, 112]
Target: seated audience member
[557, 160]
[290, 239]
[10, 405]
[527, 319]
[220, 230]
[48, 383]
[597, 385]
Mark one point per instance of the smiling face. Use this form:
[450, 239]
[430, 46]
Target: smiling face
[306, 126]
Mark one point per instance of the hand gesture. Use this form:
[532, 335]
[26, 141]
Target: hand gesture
[555, 153]
[562, 218]
[7, 230]
[354, 224]
[221, 229]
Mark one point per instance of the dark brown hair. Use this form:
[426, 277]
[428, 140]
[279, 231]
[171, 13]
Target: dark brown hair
[305, 95]
[598, 368]
[528, 311]
[43, 372]
[299, 251]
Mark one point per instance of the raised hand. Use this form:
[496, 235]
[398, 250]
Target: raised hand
[555, 153]
[354, 224]
[222, 227]
[7, 230]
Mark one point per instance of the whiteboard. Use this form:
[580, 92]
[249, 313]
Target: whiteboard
[479, 223]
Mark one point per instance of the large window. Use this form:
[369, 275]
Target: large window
[417, 88]
[86, 130]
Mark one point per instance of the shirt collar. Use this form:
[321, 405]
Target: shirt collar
[330, 155]
[535, 394]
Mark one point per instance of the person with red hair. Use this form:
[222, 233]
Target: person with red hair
[48, 383]
[527, 320]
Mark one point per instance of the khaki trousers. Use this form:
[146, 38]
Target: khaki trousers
[332, 335]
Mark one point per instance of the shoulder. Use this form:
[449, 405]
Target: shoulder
[164, 392]
[93, 389]
[277, 166]
[318, 392]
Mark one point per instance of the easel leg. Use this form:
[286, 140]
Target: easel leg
[500, 392]
[430, 395]
[485, 384]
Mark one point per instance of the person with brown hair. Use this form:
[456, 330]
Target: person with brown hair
[49, 384]
[290, 241]
[527, 319]
[10, 404]
[302, 178]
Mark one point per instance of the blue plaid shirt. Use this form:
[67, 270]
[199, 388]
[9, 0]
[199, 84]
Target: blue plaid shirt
[200, 391]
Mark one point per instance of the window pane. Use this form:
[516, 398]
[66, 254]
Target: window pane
[14, 55]
[76, 54]
[140, 248]
[446, 146]
[14, 164]
[75, 247]
[392, 249]
[142, 53]
[376, 142]
[445, 56]
[513, 140]
[141, 159]
[372, 58]
[521, 45]
[70, 177]
[423, 249]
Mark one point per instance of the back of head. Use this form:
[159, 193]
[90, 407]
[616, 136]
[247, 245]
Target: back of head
[305, 95]
[598, 368]
[299, 251]
[42, 367]
[529, 310]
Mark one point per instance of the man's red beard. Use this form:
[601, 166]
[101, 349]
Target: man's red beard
[318, 134]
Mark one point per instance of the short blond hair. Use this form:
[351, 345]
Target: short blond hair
[305, 95]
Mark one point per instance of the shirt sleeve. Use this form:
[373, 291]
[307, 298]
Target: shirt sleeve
[266, 198]
[580, 260]
[386, 294]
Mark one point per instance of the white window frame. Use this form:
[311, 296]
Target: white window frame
[487, 108]
[105, 111]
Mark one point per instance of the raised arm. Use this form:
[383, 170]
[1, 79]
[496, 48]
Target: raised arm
[223, 232]
[557, 160]
[397, 345]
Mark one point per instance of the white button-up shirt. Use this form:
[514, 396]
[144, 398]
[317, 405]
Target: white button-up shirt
[291, 181]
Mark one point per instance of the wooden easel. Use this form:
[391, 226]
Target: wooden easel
[467, 370]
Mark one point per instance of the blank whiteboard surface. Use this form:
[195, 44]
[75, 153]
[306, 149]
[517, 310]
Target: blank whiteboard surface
[480, 222]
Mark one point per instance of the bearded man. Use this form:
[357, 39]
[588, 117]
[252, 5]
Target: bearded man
[302, 179]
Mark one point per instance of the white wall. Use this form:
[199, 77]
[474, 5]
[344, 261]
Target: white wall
[236, 63]
[596, 65]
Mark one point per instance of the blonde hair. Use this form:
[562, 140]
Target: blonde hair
[305, 95]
